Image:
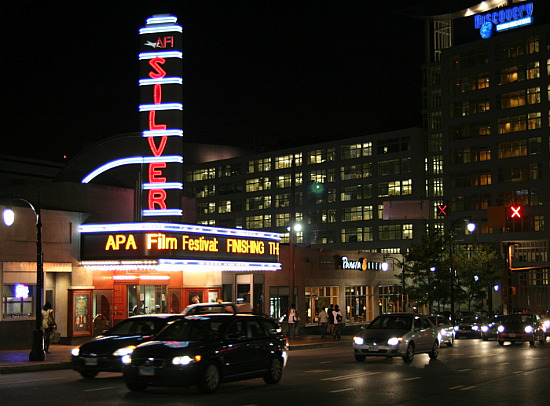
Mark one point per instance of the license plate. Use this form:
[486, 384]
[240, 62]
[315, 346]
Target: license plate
[90, 361]
[512, 335]
[147, 371]
[372, 348]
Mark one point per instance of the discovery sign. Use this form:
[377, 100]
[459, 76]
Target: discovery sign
[503, 19]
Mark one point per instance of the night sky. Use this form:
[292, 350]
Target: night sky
[254, 71]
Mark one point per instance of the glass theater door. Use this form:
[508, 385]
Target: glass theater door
[146, 299]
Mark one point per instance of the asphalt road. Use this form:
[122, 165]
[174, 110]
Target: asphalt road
[473, 372]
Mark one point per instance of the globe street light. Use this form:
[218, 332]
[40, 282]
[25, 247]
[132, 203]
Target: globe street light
[471, 228]
[37, 352]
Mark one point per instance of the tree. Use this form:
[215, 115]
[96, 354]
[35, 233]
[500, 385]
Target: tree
[475, 274]
[425, 263]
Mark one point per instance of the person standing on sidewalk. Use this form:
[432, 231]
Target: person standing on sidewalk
[338, 318]
[48, 324]
[330, 327]
[323, 322]
[292, 321]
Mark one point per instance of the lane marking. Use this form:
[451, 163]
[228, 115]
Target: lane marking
[317, 371]
[465, 370]
[31, 380]
[351, 376]
[468, 387]
[413, 379]
[456, 387]
[341, 390]
[96, 389]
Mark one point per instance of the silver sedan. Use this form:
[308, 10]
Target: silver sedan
[397, 335]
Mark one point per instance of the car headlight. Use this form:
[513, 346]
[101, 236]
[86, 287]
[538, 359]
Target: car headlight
[75, 351]
[484, 329]
[528, 329]
[475, 328]
[358, 340]
[547, 323]
[121, 352]
[501, 329]
[126, 359]
[456, 328]
[185, 359]
[395, 340]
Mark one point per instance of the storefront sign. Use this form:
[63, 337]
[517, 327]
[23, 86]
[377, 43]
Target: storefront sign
[190, 242]
[361, 264]
[161, 115]
[503, 19]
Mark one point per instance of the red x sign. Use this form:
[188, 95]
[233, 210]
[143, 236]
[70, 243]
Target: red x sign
[441, 209]
[515, 212]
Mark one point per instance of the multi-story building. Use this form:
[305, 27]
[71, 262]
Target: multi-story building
[335, 190]
[486, 113]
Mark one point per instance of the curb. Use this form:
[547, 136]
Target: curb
[35, 367]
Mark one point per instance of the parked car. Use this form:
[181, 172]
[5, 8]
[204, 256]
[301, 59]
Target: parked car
[469, 326]
[521, 327]
[103, 353]
[397, 335]
[205, 350]
[445, 329]
[546, 323]
[489, 329]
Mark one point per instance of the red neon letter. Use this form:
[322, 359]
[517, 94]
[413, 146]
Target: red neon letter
[157, 151]
[157, 94]
[158, 71]
[157, 197]
[155, 172]
[152, 124]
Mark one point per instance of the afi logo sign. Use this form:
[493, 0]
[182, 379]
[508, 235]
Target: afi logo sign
[161, 42]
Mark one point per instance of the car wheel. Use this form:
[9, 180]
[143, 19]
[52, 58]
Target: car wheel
[542, 341]
[210, 379]
[435, 350]
[409, 355]
[501, 343]
[136, 387]
[451, 343]
[88, 374]
[360, 358]
[275, 371]
[532, 342]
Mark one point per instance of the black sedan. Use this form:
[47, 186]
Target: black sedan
[103, 353]
[205, 350]
[521, 327]
[489, 329]
[469, 327]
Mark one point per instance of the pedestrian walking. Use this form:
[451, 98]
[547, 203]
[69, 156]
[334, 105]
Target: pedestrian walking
[338, 318]
[48, 324]
[323, 322]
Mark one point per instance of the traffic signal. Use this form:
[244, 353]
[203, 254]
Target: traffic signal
[514, 212]
[442, 209]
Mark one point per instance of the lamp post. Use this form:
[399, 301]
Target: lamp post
[471, 227]
[37, 352]
[385, 268]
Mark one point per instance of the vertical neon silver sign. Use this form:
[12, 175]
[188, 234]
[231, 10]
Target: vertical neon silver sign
[161, 117]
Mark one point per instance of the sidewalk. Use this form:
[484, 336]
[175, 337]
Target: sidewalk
[60, 355]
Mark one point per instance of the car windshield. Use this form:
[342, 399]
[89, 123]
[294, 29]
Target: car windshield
[519, 318]
[192, 329]
[469, 319]
[134, 326]
[394, 322]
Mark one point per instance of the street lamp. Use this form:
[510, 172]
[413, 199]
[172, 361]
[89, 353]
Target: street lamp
[37, 352]
[471, 227]
[385, 267]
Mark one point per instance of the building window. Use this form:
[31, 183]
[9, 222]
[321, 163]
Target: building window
[284, 162]
[224, 206]
[355, 171]
[352, 234]
[357, 213]
[356, 150]
[282, 219]
[284, 181]
[225, 171]
[319, 156]
[282, 200]
[258, 203]
[318, 297]
[359, 303]
[259, 165]
[201, 174]
[206, 207]
[202, 191]
[18, 301]
[394, 232]
[258, 184]
[258, 222]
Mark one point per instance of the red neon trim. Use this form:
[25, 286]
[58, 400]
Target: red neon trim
[155, 170]
[516, 212]
[152, 124]
[157, 94]
[157, 197]
[157, 72]
[157, 151]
